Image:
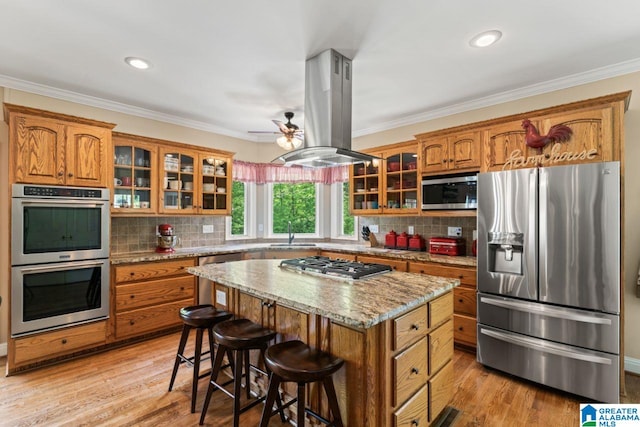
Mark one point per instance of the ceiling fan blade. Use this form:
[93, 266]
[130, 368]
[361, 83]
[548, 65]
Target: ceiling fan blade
[264, 131]
[283, 127]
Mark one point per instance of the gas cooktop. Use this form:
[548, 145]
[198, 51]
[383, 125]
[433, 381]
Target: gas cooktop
[334, 267]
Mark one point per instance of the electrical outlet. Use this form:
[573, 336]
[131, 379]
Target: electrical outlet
[410, 230]
[454, 231]
[207, 228]
[373, 228]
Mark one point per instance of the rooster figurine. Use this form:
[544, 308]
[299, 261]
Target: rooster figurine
[557, 133]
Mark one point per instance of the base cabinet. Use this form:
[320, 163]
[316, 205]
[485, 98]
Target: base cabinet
[50, 345]
[148, 296]
[396, 373]
[464, 303]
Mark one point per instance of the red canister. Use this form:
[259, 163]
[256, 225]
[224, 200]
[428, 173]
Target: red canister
[390, 240]
[402, 242]
[417, 243]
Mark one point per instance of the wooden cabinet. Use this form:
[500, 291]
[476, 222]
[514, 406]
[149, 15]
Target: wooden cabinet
[194, 182]
[56, 149]
[396, 264]
[49, 345]
[451, 153]
[388, 186]
[424, 350]
[148, 296]
[464, 302]
[501, 141]
[135, 187]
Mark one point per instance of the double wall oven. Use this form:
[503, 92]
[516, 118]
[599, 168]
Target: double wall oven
[59, 257]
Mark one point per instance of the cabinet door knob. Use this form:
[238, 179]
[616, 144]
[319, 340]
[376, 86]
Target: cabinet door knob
[451, 160]
[131, 322]
[415, 371]
[460, 300]
[64, 341]
[60, 173]
[415, 327]
[421, 271]
[132, 296]
[415, 423]
[132, 274]
[444, 160]
[70, 175]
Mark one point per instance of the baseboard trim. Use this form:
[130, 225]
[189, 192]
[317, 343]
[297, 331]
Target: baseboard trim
[632, 365]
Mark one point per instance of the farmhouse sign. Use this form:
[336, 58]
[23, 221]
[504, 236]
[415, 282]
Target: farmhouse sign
[517, 160]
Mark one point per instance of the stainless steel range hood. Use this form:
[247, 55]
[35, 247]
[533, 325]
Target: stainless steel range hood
[327, 115]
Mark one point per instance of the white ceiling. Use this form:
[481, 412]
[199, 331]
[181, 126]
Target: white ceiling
[232, 66]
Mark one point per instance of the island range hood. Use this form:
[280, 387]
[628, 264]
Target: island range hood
[327, 115]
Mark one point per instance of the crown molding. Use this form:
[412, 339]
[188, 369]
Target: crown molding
[591, 76]
[601, 73]
[119, 107]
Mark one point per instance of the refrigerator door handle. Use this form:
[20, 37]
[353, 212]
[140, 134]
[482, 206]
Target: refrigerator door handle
[543, 346]
[543, 190]
[545, 311]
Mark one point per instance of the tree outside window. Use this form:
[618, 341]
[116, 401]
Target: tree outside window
[295, 203]
[348, 228]
[238, 208]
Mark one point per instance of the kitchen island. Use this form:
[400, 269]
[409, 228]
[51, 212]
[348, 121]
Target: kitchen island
[394, 330]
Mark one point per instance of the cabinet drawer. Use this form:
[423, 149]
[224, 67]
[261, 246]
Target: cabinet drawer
[144, 320]
[408, 327]
[48, 345]
[465, 329]
[440, 346]
[440, 390]
[467, 276]
[338, 255]
[415, 412]
[440, 309]
[410, 370]
[136, 295]
[464, 301]
[152, 270]
[252, 255]
[396, 265]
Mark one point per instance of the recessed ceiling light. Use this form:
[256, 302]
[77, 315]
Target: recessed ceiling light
[138, 63]
[486, 38]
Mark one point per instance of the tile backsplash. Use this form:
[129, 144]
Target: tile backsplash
[139, 234]
[425, 226]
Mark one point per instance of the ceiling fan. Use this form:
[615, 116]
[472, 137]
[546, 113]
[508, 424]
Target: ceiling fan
[291, 134]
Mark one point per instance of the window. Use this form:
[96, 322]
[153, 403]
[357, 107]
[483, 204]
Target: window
[297, 203]
[238, 225]
[343, 224]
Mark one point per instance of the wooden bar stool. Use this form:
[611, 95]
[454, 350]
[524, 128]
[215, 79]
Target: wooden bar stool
[238, 336]
[201, 317]
[295, 361]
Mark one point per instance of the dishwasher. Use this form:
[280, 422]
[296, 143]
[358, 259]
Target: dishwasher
[204, 285]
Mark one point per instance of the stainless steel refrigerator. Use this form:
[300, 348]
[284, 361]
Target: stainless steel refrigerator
[549, 276]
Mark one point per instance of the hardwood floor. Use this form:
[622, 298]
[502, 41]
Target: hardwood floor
[128, 387]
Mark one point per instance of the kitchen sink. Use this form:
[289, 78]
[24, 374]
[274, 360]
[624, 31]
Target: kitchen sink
[285, 245]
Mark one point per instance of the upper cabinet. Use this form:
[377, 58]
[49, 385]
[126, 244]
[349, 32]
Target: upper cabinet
[502, 142]
[389, 185]
[451, 153]
[56, 149]
[135, 187]
[153, 176]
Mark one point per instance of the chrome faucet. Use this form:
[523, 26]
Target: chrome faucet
[291, 235]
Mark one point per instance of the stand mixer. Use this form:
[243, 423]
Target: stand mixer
[167, 240]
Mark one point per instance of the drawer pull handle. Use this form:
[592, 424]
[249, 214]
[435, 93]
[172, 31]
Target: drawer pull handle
[132, 296]
[267, 304]
[131, 322]
[460, 328]
[421, 271]
[461, 277]
[64, 341]
[415, 327]
[415, 423]
[415, 371]
[132, 274]
[182, 288]
[460, 300]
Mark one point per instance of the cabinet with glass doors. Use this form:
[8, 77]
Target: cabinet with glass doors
[134, 175]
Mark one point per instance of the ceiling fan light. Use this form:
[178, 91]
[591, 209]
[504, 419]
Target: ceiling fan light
[289, 142]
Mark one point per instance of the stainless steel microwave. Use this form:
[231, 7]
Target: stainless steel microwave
[450, 192]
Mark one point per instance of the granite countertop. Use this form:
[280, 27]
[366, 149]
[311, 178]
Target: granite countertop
[360, 303]
[462, 261]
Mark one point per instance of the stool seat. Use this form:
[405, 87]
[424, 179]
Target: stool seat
[203, 316]
[296, 361]
[238, 336]
[242, 334]
[199, 317]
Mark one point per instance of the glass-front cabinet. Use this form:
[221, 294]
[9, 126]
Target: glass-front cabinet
[390, 185]
[134, 176]
[401, 181]
[177, 181]
[365, 185]
[215, 183]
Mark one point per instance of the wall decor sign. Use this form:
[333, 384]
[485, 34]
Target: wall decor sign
[517, 160]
